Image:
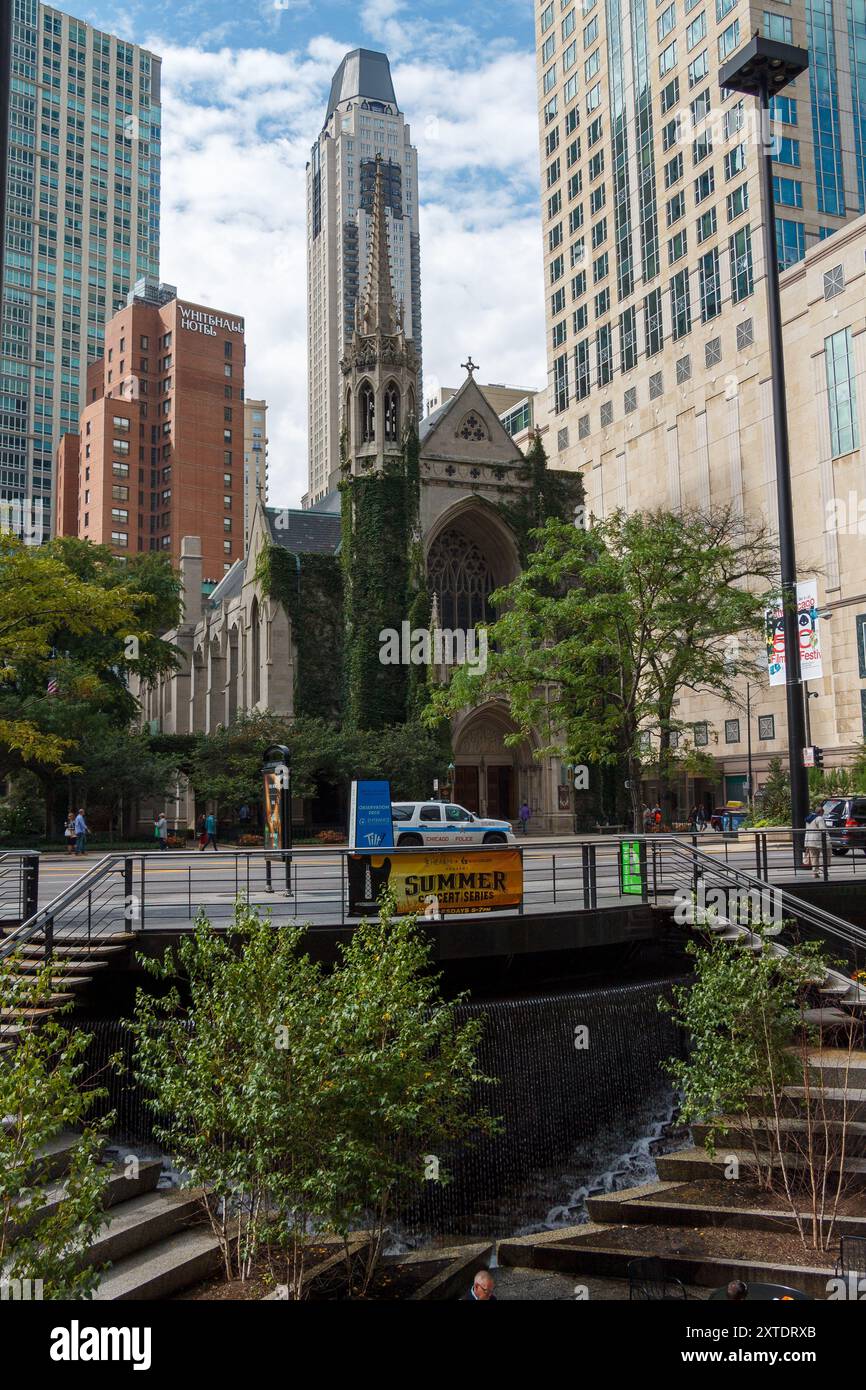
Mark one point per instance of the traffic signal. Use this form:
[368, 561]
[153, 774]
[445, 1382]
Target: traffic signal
[819, 757]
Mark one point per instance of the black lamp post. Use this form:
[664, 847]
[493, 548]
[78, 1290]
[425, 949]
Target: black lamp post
[762, 69]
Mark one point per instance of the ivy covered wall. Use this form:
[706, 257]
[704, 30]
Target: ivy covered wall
[544, 492]
[310, 588]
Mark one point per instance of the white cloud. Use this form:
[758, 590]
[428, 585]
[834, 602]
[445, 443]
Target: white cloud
[238, 126]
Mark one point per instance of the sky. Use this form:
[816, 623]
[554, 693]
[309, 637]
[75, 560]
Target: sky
[245, 88]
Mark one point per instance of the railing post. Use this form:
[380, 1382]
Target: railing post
[825, 855]
[129, 915]
[587, 881]
[554, 876]
[31, 886]
[593, 877]
[49, 938]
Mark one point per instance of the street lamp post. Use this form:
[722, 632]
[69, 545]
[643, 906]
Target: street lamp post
[762, 69]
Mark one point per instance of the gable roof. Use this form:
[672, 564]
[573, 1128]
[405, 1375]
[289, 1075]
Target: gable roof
[440, 442]
[304, 533]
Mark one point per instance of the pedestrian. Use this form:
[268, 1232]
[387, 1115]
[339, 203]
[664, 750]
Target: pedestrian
[483, 1288]
[69, 833]
[160, 830]
[201, 830]
[701, 820]
[210, 827]
[647, 820]
[82, 830]
[524, 815]
[813, 843]
[657, 816]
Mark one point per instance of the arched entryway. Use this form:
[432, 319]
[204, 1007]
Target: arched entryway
[492, 778]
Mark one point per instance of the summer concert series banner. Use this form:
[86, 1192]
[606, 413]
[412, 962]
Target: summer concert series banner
[432, 884]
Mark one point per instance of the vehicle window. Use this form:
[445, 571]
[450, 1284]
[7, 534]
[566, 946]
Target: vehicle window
[833, 808]
[859, 807]
[456, 813]
[431, 813]
[401, 812]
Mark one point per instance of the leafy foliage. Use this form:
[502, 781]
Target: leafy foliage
[310, 588]
[41, 1095]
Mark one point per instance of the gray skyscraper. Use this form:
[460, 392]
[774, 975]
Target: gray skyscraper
[81, 225]
[362, 121]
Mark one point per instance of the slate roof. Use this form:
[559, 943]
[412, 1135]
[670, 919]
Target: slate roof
[362, 73]
[305, 533]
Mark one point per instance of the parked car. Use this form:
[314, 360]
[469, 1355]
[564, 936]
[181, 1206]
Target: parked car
[735, 815]
[846, 823]
[444, 823]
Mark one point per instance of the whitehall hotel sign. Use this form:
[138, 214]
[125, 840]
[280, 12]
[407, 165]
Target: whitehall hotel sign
[200, 321]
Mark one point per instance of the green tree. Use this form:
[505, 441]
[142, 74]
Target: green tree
[42, 1094]
[775, 797]
[605, 628]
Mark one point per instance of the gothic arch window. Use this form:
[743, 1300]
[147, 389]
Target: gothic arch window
[392, 413]
[255, 652]
[348, 418]
[462, 580]
[367, 414]
[473, 428]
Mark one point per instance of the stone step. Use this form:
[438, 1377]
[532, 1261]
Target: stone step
[74, 953]
[144, 1221]
[172, 1264]
[835, 1066]
[61, 967]
[119, 1187]
[793, 1132]
[692, 1165]
[835, 1102]
[660, 1205]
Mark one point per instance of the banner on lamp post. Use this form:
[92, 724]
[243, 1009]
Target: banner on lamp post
[808, 630]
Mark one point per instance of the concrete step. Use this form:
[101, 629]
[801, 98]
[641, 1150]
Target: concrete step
[163, 1269]
[793, 1133]
[836, 1066]
[119, 1187]
[62, 967]
[74, 953]
[144, 1221]
[836, 1102]
[659, 1204]
[693, 1165]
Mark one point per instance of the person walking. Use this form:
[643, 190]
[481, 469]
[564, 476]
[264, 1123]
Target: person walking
[701, 820]
[82, 830]
[161, 830]
[657, 816]
[813, 843]
[210, 828]
[201, 831]
[647, 820]
[524, 815]
[69, 833]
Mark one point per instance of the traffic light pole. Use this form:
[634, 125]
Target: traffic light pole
[793, 677]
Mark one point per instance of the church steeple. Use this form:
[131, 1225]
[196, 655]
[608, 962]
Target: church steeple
[381, 367]
[379, 313]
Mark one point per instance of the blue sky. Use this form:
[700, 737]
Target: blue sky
[244, 91]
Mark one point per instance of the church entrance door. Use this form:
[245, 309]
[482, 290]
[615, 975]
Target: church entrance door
[466, 788]
[500, 793]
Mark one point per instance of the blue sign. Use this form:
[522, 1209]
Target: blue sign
[371, 825]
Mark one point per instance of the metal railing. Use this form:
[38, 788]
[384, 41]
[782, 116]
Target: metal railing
[19, 887]
[157, 891]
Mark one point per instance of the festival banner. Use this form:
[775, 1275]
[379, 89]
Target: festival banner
[811, 659]
[435, 883]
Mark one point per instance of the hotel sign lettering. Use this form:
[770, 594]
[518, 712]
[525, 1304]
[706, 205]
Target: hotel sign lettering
[202, 321]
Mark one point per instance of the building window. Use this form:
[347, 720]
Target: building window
[742, 271]
[732, 731]
[861, 644]
[629, 400]
[788, 193]
[604, 355]
[653, 322]
[704, 185]
[729, 39]
[670, 96]
[560, 383]
[696, 31]
[676, 207]
[699, 68]
[710, 285]
[834, 282]
[668, 58]
[706, 225]
[628, 339]
[681, 309]
[778, 27]
[766, 727]
[562, 439]
[787, 151]
[583, 427]
[790, 242]
[839, 358]
[606, 414]
[713, 352]
[656, 386]
[684, 370]
[745, 335]
[702, 735]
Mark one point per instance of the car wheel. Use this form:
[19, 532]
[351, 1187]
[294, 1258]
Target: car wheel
[495, 838]
[407, 840]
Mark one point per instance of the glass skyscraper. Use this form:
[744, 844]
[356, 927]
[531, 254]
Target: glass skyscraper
[82, 176]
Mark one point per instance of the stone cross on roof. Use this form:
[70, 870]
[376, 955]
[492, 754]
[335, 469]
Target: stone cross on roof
[470, 366]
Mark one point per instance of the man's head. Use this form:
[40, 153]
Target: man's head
[81, 810]
[483, 1284]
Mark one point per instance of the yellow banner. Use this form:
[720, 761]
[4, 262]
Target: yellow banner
[430, 884]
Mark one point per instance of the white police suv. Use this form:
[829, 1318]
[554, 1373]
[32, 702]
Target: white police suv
[443, 823]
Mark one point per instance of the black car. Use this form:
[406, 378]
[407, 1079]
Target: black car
[846, 823]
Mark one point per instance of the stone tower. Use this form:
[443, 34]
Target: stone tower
[380, 369]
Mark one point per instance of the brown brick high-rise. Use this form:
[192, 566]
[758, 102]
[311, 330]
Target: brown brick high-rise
[160, 452]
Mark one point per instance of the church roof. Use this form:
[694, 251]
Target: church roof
[362, 74]
[305, 533]
[229, 586]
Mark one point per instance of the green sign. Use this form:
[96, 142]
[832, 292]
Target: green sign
[631, 868]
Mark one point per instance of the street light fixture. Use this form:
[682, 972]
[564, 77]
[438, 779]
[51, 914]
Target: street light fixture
[762, 69]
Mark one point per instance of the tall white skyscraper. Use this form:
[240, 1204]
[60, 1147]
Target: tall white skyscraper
[81, 225]
[362, 121]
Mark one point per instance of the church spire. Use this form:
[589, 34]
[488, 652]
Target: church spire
[380, 311]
